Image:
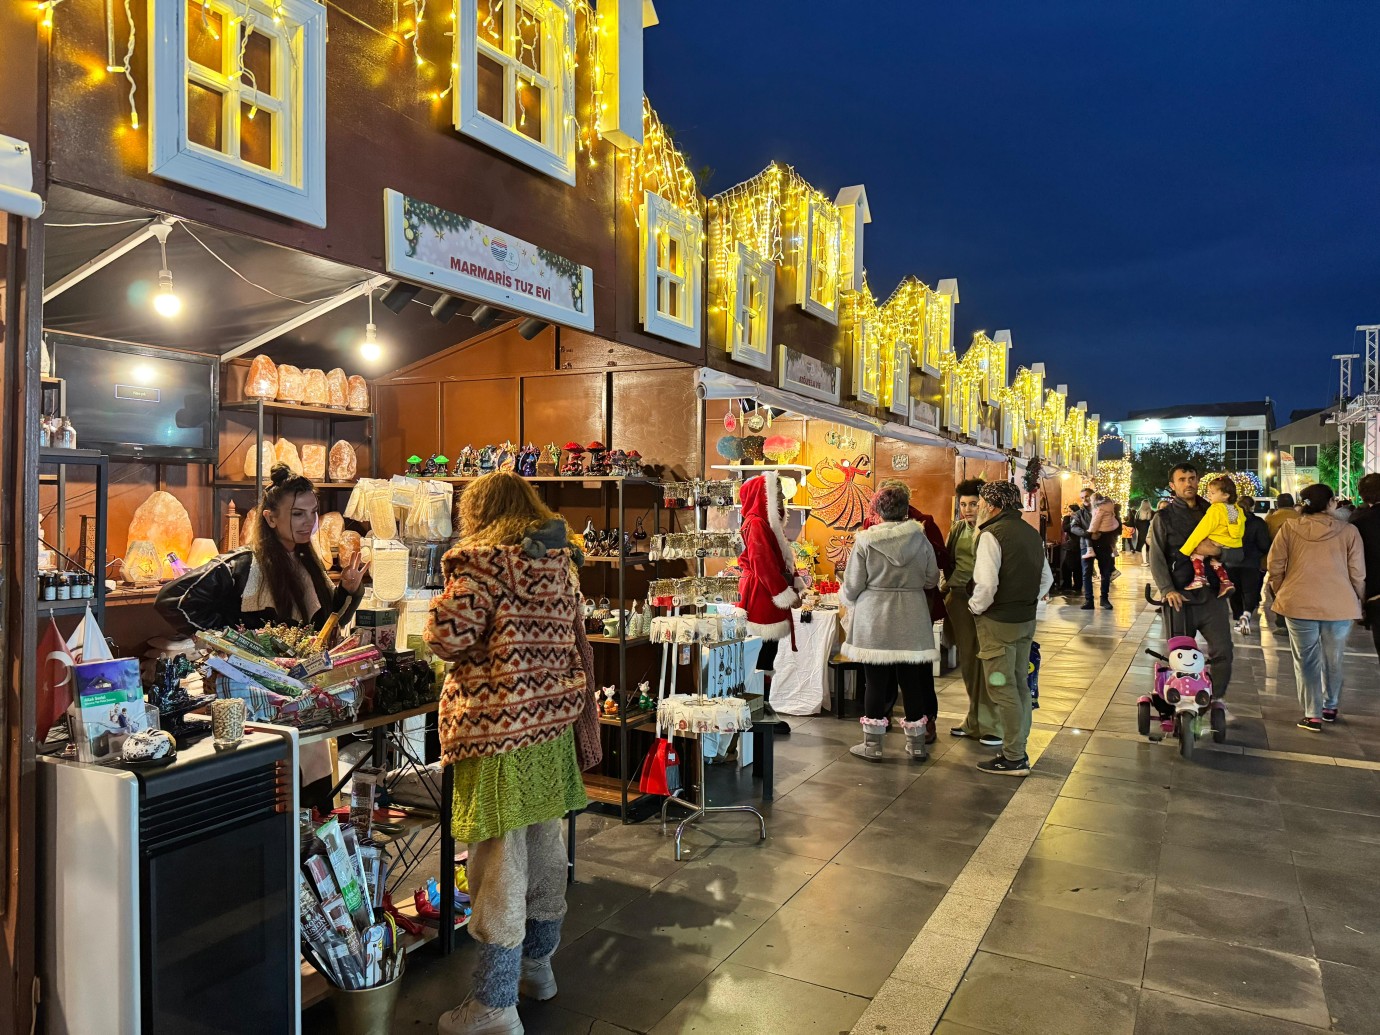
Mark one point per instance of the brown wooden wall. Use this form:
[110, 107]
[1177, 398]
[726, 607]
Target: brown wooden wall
[929, 476]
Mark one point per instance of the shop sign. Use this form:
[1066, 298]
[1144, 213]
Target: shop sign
[810, 377]
[461, 256]
[923, 415]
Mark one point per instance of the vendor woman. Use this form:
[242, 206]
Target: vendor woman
[277, 578]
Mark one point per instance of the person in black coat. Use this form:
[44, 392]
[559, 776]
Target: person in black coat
[276, 579]
[1070, 557]
[1249, 575]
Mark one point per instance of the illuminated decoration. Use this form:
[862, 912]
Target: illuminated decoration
[863, 330]
[238, 101]
[1247, 483]
[1113, 480]
[515, 80]
[751, 287]
[671, 271]
[1049, 424]
[782, 219]
[659, 167]
[854, 215]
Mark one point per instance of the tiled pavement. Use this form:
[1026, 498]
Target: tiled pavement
[1117, 890]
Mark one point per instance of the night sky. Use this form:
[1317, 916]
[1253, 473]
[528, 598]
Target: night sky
[1165, 202]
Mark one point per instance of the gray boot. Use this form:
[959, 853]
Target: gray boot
[915, 739]
[871, 746]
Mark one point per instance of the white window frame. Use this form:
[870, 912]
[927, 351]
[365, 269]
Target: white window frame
[900, 378]
[951, 407]
[296, 186]
[749, 271]
[557, 80]
[867, 378]
[807, 269]
[937, 336]
[660, 218]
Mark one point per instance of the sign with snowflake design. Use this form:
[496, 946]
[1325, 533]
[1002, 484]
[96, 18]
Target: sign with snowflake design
[463, 257]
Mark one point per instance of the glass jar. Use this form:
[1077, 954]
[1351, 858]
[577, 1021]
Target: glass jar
[64, 588]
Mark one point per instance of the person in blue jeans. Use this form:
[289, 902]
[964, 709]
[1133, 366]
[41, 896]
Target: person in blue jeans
[1317, 571]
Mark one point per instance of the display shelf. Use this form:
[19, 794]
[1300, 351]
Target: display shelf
[631, 641]
[50, 382]
[64, 607]
[132, 595]
[244, 483]
[557, 478]
[637, 560]
[609, 789]
[73, 457]
[296, 410]
[632, 719]
[758, 468]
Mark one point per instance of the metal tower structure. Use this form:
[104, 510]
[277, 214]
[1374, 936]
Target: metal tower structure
[1361, 410]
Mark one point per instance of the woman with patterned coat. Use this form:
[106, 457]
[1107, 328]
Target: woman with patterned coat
[506, 620]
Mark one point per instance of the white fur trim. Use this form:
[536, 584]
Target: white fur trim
[775, 631]
[773, 487]
[866, 722]
[877, 656]
[888, 530]
[787, 598]
[915, 728]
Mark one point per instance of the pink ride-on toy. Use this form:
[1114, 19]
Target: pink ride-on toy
[1182, 696]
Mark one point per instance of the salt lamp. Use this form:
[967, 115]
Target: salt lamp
[337, 388]
[314, 387]
[344, 464]
[202, 550]
[262, 382]
[162, 520]
[292, 385]
[314, 461]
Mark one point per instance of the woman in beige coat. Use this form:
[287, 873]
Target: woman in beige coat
[1317, 572]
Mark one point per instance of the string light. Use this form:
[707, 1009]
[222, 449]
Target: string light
[1113, 480]
[659, 167]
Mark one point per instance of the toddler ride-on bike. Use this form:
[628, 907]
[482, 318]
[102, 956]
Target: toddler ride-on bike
[1182, 693]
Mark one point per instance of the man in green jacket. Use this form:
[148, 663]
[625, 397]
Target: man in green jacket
[1010, 576]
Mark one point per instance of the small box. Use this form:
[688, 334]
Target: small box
[378, 627]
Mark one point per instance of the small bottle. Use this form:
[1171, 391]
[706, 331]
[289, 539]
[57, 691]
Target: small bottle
[87, 582]
[48, 586]
[66, 435]
[64, 588]
[45, 433]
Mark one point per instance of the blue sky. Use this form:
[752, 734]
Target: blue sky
[1165, 202]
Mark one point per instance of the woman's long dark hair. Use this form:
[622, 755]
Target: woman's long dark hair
[278, 565]
[1316, 498]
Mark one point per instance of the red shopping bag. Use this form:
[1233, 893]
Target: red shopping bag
[660, 769]
[55, 663]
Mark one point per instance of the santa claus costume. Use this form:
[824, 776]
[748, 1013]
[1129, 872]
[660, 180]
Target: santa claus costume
[769, 586]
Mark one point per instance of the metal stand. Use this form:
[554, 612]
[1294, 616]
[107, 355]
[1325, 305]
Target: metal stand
[698, 812]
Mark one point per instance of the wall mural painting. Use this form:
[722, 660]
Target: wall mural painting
[840, 486]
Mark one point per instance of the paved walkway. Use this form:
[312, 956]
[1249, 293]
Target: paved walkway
[1115, 890]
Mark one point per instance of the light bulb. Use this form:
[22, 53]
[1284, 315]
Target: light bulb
[165, 302]
[370, 349]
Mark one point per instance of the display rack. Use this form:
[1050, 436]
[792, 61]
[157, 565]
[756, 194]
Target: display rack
[62, 459]
[608, 789]
[261, 409]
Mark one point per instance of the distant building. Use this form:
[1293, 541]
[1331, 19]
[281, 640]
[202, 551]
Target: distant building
[1243, 431]
[1298, 444]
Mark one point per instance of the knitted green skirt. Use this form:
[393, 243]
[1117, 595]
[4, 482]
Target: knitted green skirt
[504, 792]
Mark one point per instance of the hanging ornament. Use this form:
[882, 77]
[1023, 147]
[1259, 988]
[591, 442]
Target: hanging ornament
[730, 419]
[756, 422]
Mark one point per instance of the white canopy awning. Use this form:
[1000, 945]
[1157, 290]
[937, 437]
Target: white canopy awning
[715, 384]
[17, 180]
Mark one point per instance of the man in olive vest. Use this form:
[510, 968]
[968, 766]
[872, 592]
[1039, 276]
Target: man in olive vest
[1010, 577]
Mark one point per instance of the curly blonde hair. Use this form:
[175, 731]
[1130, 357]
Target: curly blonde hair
[500, 509]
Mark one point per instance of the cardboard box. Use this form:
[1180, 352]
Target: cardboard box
[378, 626]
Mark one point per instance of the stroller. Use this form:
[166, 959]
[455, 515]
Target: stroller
[1182, 693]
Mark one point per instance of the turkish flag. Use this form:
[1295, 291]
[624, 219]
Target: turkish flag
[55, 663]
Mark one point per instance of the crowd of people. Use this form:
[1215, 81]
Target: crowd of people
[518, 691]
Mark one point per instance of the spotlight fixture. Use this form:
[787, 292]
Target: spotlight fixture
[369, 348]
[165, 302]
[530, 327]
[399, 294]
[445, 308]
[484, 316]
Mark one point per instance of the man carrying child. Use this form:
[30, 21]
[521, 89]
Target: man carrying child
[1201, 609]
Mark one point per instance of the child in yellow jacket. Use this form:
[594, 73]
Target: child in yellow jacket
[1224, 524]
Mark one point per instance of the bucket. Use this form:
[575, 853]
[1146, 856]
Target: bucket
[367, 1011]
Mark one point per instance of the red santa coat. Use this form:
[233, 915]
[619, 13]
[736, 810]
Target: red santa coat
[941, 553]
[769, 586]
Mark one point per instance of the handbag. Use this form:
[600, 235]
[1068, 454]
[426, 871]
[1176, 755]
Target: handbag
[589, 748]
[660, 770]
